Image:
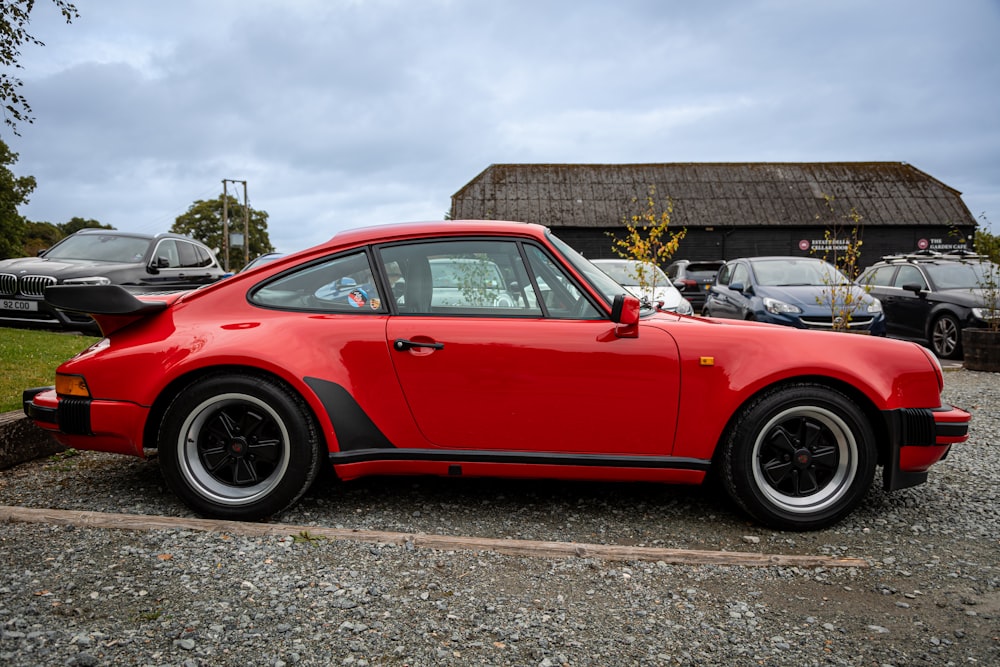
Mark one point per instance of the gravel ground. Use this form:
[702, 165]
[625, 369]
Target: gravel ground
[87, 596]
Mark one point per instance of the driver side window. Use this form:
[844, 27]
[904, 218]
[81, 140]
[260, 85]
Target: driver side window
[740, 275]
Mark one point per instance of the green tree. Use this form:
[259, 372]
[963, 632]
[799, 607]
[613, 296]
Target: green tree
[203, 221]
[14, 191]
[77, 223]
[38, 236]
[14, 18]
[987, 245]
[842, 248]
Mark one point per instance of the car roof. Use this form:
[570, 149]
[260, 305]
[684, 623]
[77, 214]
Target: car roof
[786, 258]
[409, 230]
[97, 231]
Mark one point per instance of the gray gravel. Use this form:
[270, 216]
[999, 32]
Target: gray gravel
[81, 596]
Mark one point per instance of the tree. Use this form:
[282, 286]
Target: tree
[14, 191]
[38, 236]
[15, 16]
[648, 240]
[203, 221]
[842, 248]
[77, 223]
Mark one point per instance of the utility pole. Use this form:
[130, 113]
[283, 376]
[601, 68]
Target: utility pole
[225, 222]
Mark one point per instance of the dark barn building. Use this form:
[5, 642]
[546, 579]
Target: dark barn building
[730, 209]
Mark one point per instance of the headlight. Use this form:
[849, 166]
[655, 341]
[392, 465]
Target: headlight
[986, 313]
[90, 280]
[776, 307]
[875, 306]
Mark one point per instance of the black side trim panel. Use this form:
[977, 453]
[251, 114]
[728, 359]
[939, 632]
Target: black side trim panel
[534, 458]
[354, 429]
[99, 300]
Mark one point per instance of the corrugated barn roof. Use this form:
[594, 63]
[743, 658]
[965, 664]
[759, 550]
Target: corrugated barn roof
[712, 194]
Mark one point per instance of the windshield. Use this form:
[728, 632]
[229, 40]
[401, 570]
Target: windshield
[797, 272]
[608, 288]
[626, 272]
[100, 248]
[962, 275]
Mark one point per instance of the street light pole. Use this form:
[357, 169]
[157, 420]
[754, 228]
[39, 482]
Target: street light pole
[225, 221]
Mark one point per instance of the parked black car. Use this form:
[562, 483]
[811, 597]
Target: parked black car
[930, 297]
[146, 262]
[694, 279]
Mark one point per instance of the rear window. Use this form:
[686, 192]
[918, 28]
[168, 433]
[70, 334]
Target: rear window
[703, 272]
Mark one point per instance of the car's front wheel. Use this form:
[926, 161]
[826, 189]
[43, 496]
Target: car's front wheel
[946, 337]
[238, 447]
[799, 457]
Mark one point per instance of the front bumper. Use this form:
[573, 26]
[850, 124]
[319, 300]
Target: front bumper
[84, 423]
[919, 438]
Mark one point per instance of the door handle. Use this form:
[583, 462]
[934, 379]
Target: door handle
[403, 345]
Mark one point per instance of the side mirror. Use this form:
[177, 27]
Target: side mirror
[625, 313]
[913, 287]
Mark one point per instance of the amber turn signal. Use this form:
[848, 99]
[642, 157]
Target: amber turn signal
[72, 385]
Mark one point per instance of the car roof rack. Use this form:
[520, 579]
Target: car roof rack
[951, 255]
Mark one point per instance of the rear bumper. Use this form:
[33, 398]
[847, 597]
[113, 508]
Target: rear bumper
[919, 438]
[83, 423]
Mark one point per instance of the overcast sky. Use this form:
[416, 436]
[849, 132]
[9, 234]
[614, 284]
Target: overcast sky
[341, 113]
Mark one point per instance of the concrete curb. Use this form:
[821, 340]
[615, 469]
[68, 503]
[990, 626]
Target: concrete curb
[21, 440]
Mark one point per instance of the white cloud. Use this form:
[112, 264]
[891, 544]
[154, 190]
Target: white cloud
[343, 113]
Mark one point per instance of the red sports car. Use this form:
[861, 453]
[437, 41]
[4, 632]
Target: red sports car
[475, 348]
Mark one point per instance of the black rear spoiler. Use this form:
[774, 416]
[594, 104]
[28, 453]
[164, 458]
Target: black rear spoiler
[100, 300]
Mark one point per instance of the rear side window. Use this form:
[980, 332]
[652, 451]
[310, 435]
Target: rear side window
[342, 284]
[192, 256]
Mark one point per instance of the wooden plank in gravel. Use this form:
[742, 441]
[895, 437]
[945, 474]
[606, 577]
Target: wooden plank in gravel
[530, 548]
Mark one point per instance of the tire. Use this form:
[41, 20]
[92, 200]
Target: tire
[799, 457]
[239, 447]
[946, 337]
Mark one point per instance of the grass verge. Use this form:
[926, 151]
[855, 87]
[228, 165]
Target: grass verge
[28, 358]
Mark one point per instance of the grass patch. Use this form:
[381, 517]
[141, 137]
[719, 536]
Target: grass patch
[28, 358]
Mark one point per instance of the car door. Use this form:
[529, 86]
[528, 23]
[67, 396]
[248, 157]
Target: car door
[178, 263]
[909, 310]
[878, 283]
[725, 301]
[546, 373]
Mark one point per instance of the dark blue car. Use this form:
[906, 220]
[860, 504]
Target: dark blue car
[803, 292]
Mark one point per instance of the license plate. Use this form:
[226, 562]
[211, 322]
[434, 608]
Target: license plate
[19, 304]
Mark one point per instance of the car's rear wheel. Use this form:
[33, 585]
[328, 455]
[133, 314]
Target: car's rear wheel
[799, 457]
[239, 447]
[946, 337]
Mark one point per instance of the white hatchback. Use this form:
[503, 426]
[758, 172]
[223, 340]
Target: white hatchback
[632, 275]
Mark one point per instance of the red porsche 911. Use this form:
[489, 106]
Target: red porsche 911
[481, 348]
